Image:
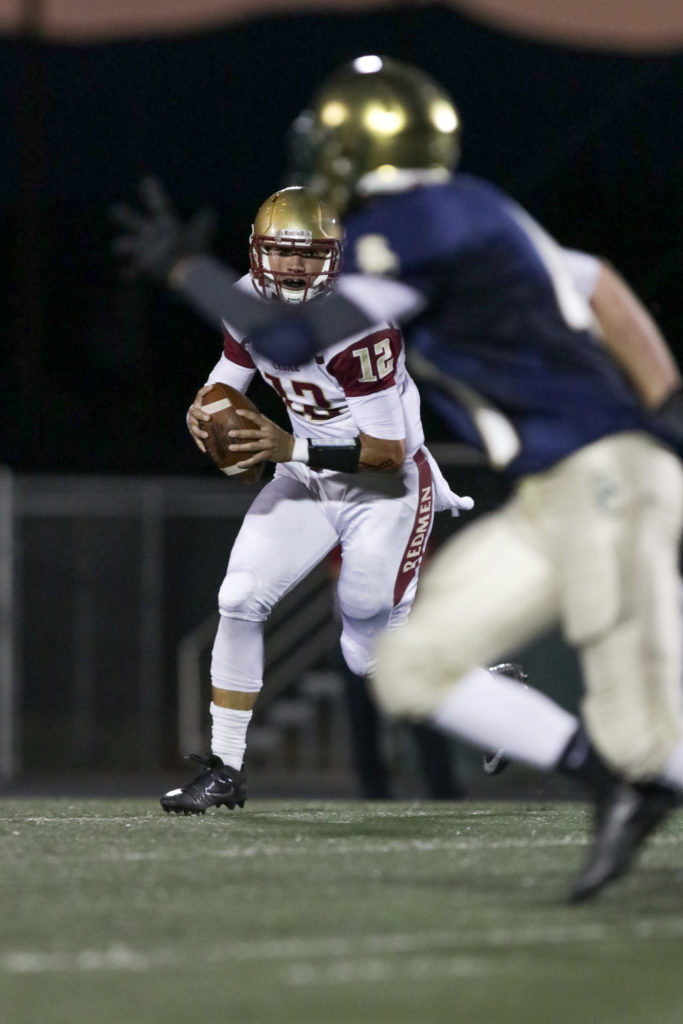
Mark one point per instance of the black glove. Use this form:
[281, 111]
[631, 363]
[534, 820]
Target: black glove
[155, 239]
[669, 416]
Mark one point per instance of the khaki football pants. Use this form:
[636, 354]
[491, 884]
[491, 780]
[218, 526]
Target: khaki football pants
[593, 545]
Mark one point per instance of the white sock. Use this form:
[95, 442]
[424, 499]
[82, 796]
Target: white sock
[497, 713]
[229, 734]
[673, 769]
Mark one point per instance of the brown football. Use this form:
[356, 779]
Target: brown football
[224, 403]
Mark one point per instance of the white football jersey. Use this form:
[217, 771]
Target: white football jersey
[358, 385]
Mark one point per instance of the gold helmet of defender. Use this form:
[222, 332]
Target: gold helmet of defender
[375, 125]
[295, 220]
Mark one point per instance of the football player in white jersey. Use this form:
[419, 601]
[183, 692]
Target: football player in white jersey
[353, 472]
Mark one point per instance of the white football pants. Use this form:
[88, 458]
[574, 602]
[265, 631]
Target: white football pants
[381, 521]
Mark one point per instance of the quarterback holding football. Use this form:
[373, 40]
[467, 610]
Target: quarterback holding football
[353, 472]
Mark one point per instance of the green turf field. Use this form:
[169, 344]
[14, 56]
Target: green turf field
[329, 913]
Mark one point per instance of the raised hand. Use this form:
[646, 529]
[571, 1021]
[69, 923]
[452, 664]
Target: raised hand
[154, 239]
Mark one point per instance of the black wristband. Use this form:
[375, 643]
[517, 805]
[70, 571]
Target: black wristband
[342, 456]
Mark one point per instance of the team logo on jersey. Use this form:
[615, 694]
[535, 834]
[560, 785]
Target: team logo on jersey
[374, 255]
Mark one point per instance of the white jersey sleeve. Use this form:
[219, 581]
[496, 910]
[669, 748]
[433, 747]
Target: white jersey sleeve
[379, 415]
[381, 396]
[236, 366]
[584, 269]
[228, 372]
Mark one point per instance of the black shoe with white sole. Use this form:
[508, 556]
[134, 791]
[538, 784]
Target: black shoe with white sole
[216, 785]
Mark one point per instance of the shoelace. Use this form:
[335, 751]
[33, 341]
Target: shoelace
[209, 762]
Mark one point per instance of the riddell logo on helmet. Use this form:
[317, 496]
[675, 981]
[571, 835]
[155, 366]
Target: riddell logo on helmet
[416, 546]
[299, 234]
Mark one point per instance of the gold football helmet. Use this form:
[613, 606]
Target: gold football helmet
[375, 125]
[300, 232]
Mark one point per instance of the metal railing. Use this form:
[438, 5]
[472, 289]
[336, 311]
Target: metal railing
[108, 592]
[9, 707]
[91, 589]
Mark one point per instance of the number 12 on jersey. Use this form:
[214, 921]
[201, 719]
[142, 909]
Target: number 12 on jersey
[376, 362]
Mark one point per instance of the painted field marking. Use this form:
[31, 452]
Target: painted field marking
[294, 952]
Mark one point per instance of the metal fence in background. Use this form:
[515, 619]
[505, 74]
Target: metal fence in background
[101, 577]
[8, 676]
[108, 591]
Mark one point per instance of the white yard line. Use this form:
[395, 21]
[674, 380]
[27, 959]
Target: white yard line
[345, 847]
[305, 958]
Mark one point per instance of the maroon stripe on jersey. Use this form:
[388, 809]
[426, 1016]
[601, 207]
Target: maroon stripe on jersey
[235, 352]
[369, 364]
[415, 548]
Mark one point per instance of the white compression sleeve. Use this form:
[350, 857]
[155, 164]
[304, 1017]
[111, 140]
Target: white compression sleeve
[237, 655]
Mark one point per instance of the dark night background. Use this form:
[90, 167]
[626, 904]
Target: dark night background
[97, 373]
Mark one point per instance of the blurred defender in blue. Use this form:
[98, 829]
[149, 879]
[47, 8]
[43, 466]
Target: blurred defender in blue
[545, 361]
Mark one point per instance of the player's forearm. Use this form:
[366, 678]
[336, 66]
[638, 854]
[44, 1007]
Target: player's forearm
[379, 455]
[634, 339]
[349, 455]
[205, 284]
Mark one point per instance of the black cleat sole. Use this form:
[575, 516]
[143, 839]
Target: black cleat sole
[231, 805]
[632, 815]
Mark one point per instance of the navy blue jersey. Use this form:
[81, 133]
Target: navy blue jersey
[506, 349]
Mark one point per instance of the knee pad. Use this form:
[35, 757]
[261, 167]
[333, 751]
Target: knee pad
[359, 638]
[356, 655]
[242, 596]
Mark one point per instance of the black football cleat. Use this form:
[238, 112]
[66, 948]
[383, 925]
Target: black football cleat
[623, 823]
[217, 784]
[495, 761]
